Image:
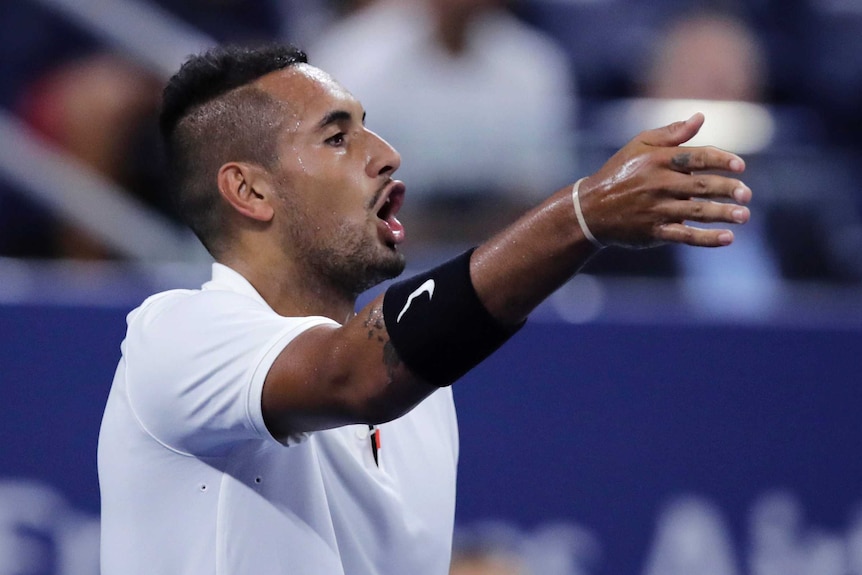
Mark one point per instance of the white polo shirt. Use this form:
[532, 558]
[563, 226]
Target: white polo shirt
[193, 483]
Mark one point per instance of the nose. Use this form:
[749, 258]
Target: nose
[383, 159]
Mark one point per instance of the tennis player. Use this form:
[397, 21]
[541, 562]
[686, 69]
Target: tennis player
[260, 424]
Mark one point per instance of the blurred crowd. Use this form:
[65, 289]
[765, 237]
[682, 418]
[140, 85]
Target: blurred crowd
[492, 103]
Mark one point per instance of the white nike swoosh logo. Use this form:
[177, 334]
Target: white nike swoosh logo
[427, 287]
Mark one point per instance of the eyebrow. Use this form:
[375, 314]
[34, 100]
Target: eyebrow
[336, 116]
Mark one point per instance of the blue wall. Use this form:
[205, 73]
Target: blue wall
[56, 366]
[597, 424]
[602, 425]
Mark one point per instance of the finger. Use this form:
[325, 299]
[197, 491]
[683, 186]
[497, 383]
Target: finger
[709, 186]
[673, 134]
[692, 236]
[693, 159]
[706, 212]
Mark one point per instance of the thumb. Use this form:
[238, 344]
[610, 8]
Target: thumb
[674, 134]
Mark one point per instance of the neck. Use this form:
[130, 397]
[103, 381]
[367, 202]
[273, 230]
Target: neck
[291, 292]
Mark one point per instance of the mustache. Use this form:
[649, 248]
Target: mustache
[378, 193]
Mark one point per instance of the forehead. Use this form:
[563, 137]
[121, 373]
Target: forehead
[309, 92]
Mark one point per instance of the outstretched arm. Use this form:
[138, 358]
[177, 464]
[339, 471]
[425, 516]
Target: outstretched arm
[643, 196]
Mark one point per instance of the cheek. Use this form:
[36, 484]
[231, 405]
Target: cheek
[344, 197]
[305, 162]
[334, 186]
[330, 210]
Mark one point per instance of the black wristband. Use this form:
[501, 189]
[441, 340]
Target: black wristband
[437, 324]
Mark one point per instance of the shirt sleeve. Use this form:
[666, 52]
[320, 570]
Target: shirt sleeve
[196, 364]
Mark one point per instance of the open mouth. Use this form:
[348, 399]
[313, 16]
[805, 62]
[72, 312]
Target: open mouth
[392, 199]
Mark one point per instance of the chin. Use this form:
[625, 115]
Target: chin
[354, 262]
[391, 266]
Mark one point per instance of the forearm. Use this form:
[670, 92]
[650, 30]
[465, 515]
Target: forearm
[517, 269]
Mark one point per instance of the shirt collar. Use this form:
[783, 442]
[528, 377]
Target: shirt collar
[227, 279]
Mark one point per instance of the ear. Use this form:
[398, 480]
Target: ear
[246, 190]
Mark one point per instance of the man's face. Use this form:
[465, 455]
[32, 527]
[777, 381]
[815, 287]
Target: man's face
[334, 178]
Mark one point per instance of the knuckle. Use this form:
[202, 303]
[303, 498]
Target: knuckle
[688, 234]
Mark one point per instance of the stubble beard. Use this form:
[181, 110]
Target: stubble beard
[349, 260]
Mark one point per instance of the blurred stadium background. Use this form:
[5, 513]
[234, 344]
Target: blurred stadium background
[674, 411]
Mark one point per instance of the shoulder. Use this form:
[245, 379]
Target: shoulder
[185, 327]
[180, 307]
[188, 326]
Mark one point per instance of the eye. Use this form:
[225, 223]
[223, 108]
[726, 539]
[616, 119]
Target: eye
[337, 140]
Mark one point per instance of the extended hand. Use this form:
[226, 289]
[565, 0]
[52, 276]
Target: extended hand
[646, 192]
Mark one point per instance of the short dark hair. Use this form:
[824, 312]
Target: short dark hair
[211, 115]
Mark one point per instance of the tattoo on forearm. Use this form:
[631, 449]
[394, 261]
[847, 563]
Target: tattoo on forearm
[375, 324]
[681, 161]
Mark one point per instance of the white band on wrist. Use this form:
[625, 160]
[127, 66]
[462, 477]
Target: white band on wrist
[580, 215]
